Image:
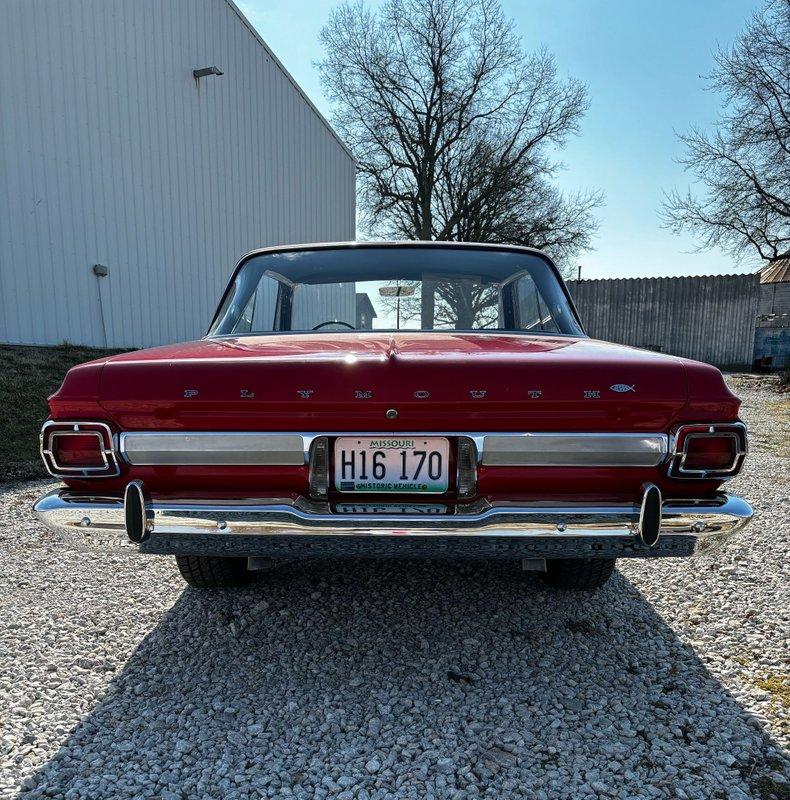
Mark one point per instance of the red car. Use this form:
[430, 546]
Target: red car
[404, 399]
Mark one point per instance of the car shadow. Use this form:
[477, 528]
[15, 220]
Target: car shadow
[413, 679]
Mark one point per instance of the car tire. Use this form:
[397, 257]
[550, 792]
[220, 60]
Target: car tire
[578, 574]
[213, 572]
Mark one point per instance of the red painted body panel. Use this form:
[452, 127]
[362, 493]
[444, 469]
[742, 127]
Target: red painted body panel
[140, 391]
[146, 390]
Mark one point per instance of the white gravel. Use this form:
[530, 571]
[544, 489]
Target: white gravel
[408, 680]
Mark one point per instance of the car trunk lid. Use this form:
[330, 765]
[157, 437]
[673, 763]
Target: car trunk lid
[426, 381]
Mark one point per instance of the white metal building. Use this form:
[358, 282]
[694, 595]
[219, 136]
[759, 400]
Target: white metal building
[113, 153]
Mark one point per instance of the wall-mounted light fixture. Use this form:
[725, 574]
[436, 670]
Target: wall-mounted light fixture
[205, 71]
[100, 271]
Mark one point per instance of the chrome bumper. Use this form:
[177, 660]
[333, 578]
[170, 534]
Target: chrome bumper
[288, 526]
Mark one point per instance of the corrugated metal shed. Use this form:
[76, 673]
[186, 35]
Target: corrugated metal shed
[709, 318]
[775, 291]
[772, 337]
[776, 271]
[112, 153]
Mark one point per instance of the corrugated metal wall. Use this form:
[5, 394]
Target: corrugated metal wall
[112, 153]
[709, 318]
[774, 298]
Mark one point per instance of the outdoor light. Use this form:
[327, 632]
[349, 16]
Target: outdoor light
[396, 291]
[204, 71]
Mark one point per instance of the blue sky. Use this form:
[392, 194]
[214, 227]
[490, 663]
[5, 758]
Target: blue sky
[642, 62]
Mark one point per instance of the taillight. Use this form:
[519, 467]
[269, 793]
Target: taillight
[78, 449]
[708, 450]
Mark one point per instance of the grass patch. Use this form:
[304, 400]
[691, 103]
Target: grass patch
[778, 686]
[778, 441]
[768, 789]
[30, 375]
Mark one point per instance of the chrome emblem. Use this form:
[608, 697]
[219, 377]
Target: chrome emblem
[592, 394]
[190, 392]
[305, 394]
[421, 394]
[246, 394]
[623, 387]
[363, 394]
[477, 394]
[391, 413]
[535, 393]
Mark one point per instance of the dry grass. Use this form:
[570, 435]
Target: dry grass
[30, 375]
[778, 686]
[779, 444]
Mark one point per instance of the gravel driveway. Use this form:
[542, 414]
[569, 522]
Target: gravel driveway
[415, 680]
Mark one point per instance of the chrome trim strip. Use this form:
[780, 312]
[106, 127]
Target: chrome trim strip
[224, 449]
[575, 449]
[151, 448]
[703, 522]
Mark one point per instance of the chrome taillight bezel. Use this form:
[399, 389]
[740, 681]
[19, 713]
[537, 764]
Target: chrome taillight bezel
[686, 433]
[52, 429]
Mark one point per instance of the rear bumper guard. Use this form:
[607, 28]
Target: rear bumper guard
[297, 526]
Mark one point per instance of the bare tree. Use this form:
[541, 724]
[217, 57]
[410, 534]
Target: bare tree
[744, 164]
[453, 125]
[460, 304]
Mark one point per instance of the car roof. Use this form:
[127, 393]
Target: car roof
[394, 243]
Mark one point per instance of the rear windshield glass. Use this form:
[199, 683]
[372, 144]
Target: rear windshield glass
[395, 288]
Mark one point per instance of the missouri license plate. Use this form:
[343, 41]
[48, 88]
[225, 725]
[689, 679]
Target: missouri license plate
[392, 464]
[390, 508]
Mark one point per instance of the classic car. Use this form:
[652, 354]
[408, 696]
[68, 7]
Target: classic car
[405, 399]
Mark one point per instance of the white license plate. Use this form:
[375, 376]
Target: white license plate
[390, 508]
[392, 464]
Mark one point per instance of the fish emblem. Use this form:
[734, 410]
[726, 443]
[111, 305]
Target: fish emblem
[622, 388]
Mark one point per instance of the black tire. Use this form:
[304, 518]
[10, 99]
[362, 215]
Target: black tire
[578, 574]
[213, 572]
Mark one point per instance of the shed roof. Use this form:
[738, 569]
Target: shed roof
[777, 271]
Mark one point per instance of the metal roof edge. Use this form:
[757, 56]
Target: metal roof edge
[290, 78]
[667, 277]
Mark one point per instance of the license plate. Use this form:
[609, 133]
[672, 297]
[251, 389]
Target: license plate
[392, 464]
[390, 508]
